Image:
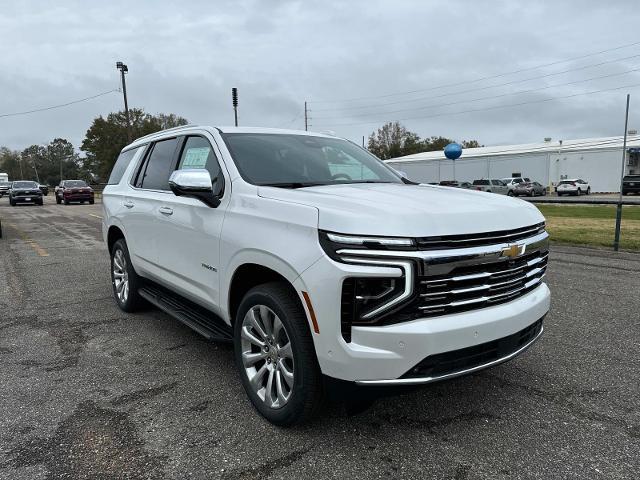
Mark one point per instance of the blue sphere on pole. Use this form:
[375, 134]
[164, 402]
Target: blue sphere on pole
[453, 151]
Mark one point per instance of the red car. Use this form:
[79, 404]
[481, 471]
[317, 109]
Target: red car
[74, 191]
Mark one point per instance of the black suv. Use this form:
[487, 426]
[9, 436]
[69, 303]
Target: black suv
[23, 191]
[630, 184]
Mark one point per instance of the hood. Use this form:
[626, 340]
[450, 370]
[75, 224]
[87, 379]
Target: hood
[408, 210]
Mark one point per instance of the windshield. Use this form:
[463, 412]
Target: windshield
[75, 183]
[24, 185]
[5, 184]
[300, 160]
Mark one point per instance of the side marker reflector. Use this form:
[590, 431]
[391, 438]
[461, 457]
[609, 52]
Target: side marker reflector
[312, 314]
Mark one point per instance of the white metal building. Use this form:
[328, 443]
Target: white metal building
[596, 160]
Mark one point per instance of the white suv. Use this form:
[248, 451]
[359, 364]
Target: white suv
[322, 265]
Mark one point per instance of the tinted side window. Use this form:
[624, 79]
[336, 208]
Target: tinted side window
[160, 165]
[121, 165]
[198, 153]
[481, 182]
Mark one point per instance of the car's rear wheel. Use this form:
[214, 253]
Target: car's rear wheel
[58, 201]
[124, 279]
[276, 357]
[511, 194]
[12, 202]
[66, 202]
[588, 190]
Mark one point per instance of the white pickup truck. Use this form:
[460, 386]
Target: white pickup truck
[322, 265]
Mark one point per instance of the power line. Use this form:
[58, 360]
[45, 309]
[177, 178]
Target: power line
[57, 106]
[513, 82]
[465, 82]
[490, 97]
[498, 107]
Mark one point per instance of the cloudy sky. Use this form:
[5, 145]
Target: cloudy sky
[354, 62]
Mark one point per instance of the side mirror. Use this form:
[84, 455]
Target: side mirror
[194, 183]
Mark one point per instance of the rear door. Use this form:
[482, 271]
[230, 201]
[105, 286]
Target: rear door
[189, 243]
[149, 187]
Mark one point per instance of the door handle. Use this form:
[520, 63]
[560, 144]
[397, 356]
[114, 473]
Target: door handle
[128, 204]
[166, 210]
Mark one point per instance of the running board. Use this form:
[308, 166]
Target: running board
[203, 321]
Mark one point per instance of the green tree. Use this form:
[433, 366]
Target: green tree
[471, 144]
[107, 136]
[394, 140]
[10, 163]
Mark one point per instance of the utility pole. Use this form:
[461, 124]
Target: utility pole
[124, 69]
[616, 241]
[306, 116]
[33, 161]
[363, 141]
[234, 100]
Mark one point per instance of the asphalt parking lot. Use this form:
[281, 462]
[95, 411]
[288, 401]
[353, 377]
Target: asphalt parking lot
[87, 391]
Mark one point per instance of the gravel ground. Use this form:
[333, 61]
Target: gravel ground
[87, 391]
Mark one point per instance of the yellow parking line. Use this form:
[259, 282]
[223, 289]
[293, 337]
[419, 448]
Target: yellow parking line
[32, 243]
[97, 216]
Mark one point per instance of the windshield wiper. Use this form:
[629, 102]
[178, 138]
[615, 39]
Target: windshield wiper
[291, 184]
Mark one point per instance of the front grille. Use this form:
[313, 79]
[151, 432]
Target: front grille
[466, 358]
[476, 239]
[480, 285]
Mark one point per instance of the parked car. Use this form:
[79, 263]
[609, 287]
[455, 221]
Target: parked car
[74, 191]
[491, 185]
[448, 183]
[4, 188]
[321, 278]
[575, 186]
[465, 185]
[44, 189]
[24, 191]
[512, 182]
[630, 184]
[530, 189]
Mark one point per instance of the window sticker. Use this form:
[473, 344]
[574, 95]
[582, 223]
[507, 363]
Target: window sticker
[195, 157]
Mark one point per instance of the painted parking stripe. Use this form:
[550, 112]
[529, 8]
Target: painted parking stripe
[32, 243]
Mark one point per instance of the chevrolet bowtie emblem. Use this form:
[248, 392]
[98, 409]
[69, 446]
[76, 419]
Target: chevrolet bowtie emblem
[513, 251]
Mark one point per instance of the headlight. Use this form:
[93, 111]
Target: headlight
[332, 242]
[369, 300]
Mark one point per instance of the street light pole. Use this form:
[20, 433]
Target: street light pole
[234, 101]
[124, 69]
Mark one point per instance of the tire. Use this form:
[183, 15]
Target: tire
[58, 201]
[40, 202]
[131, 301]
[66, 202]
[92, 201]
[588, 190]
[511, 194]
[302, 398]
[579, 192]
[12, 202]
[532, 194]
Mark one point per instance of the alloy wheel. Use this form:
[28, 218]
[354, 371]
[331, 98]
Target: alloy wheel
[267, 356]
[120, 276]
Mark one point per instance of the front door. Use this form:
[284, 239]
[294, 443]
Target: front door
[189, 244]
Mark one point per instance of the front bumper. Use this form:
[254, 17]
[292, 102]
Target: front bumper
[383, 354]
[35, 198]
[77, 197]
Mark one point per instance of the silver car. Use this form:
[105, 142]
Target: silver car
[491, 186]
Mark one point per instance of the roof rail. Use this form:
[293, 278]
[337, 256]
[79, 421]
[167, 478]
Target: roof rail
[166, 130]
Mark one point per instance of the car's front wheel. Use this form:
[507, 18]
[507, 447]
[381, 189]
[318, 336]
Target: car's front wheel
[276, 357]
[124, 279]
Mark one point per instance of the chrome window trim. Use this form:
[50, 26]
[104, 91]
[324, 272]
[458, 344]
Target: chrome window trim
[423, 380]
